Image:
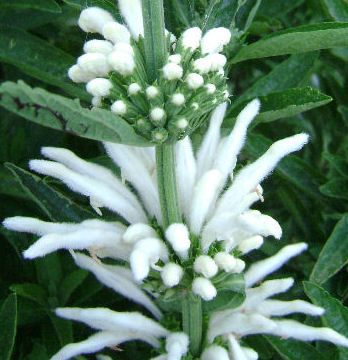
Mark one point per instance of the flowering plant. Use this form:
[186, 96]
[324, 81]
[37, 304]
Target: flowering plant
[179, 226]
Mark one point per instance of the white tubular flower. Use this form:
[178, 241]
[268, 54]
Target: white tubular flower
[151, 92]
[93, 19]
[225, 261]
[122, 62]
[204, 288]
[77, 75]
[139, 231]
[202, 65]
[215, 352]
[194, 81]
[132, 13]
[157, 114]
[172, 274]
[206, 266]
[236, 351]
[217, 61]
[176, 345]
[172, 71]
[214, 40]
[116, 32]
[134, 88]
[176, 58]
[124, 47]
[145, 254]
[179, 238]
[211, 88]
[98, 46]
[119, 107]
[191, 38]
[250, 244]
[99, 87]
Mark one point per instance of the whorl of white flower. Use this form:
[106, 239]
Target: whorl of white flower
[206, 266]
[215, 352]
[131, 12]
[111, 277]
[194, 81]
[250, 244]
[214, 40]
[77, 75]
[122, 62]
[204, 288]
[136, 232]
[262, 268]
[98, 46]
[146, 253]
[151, 92]
[225, 261]
[191, 38]
[176, 58]
[116, 32]
[177, 345]
[119, 107]
[134, 88]
[99, 87]
[217, 61]
[93, 19]
[172, 71]
[179, 238]
[172, 274]
[124, 47]
[203, 198]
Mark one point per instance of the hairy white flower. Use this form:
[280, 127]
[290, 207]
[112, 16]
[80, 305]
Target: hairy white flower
[204, 288]
[176, 345]
[215, 352]
[157, 114]
[93, 19]
[176, 58]
[98, 46]
[172, 71]
[99, 87]
[132, 13]
[76, 74]
[194, 81]
[214, 40]
[116, 32]
[191, 38]
[134, 88]
[151, 92]
[206, 266]
[122, 62]
[179, 238]
[172, 274]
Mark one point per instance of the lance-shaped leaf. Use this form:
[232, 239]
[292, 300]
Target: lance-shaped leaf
[108, 5]
[8, 326]
[296, 40]
[38, 59]
[61, 113]
[334, 254]
[336, 188]
[282, 104]
[336, 9]
[42, 5]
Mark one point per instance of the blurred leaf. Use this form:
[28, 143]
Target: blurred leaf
[49, 274]
[31, 291]
[108, 5]
[55, 205]
[336, 188]
[8, 185]
[246, 14]
[61, 113]
[39, 352]
[296, 40]
[339, 163]
[282, 104]
[182, 11]
[63, 329]
[334, 254]
[8, 326]
[276, 8]
[43, 5]
[344, 112]
[288, 74]
[39, 59]
[336, 9]
[290, 349]
[70, 283]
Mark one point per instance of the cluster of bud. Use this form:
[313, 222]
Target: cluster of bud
[188, 87]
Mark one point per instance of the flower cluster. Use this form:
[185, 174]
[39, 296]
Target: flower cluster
[189, 85]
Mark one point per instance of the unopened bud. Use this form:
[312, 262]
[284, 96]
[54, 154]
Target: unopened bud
[151, 92]
[98, 46]
[206, 266]
[225, 261]
[176, 58]
[99, 87]
[116, 32]
[133, 89]
[119, 107]
[122, 62]
[178, 99]
[93, 19]
[204, 288]
[172, 71]
[172, 274]
[194, 81]
[191, 38]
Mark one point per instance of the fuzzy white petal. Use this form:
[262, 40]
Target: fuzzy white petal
[172, 274]
[93, 19]
[178, 236]
[116, 32]
[215, 352]
[132, 13]
[204, 288]
[236, 350]
[138, 231]
[176, 345]
[191, 38]
[98, 46]
[215, 39]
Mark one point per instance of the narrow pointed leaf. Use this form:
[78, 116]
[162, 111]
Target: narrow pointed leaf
[31, 291]
[8, 326]
[336, 188]
[42, 5]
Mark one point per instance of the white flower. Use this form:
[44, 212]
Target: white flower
[191, 38]
[172, 71]
[214, 40]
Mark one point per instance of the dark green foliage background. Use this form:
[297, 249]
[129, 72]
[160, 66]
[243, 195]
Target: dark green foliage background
[292, 71]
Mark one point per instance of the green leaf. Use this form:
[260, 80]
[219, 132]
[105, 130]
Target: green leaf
[282, 104]
[336, 9]
[288, 74]
[61, 113]
[334, 254]
[8, 326]
[290, 349]
[55, 205]
[31, 291]
[70, 283]
[339, 163]
[336, 188]
[108, 5]
[63, 329]
[42, 5]
[39, 59]
[296, 40]
[276, 8]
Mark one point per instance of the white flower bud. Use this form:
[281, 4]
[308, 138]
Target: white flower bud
[195, 106]
[172, 71]
[122, 62]
[206, 266]
[134, 88]
[214, 40]
[151, 92]
[194, 81]
[210, 88]
[119, 107]
[179, 238]
[157, 114]
[225, 261]
[204, 288]
[96, 101]
[176, 58]
[250, 244]
[77, 75]
[240, 266]
[182, 124]
[94, 63]
[215, 352]
[116, 32]
[191, 38]
[217, 61]
[99, 87]
[177, 345]
[124, 47]
[138, 231]
[93, 19]
[172, 274]
[178, 99]
[202, 65]
[226, 94]
[98, 46]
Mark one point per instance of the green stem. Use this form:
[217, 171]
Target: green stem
[192, 321]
